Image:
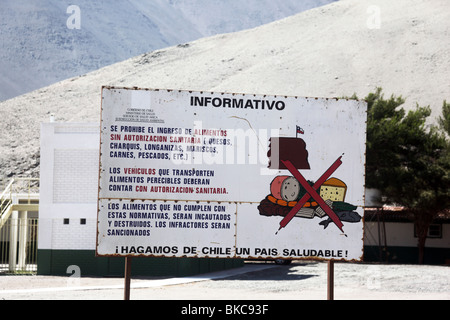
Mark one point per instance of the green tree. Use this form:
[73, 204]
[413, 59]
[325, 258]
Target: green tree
[444, 120]
[408, 160]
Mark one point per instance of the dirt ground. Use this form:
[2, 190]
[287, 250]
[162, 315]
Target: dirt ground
[254, 281]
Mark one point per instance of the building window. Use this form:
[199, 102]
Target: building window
[434, 231]
[82, 221]
[66, 220]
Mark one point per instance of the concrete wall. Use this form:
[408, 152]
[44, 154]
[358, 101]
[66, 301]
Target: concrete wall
[68, 186]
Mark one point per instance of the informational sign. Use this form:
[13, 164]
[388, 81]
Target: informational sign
[202, 174]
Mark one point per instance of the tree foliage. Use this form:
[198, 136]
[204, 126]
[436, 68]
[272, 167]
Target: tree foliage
[444, 120]
[408, 160]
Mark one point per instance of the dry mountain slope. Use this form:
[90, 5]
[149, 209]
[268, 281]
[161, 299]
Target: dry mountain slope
[329, 51]
[46, 41]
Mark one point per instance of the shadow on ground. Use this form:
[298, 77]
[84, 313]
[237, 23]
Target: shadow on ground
[277, 273]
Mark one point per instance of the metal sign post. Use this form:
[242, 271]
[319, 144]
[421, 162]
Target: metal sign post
[330, 280]
[127, 278]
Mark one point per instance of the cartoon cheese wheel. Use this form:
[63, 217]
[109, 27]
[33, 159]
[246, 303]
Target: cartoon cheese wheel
[285, 188]
[333, 189]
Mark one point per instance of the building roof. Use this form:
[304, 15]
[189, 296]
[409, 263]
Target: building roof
[399, 214]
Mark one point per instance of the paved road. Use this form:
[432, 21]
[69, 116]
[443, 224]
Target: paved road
[255, 281]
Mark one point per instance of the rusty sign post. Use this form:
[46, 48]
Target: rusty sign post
[330, 280]
[226, 175]
[127, 278]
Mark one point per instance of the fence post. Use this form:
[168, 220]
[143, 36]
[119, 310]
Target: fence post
[23, 236]
[13, 235]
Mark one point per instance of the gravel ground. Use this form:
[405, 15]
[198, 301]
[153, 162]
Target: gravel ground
[255, 281]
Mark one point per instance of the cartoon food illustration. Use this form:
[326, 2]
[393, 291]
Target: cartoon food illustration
[286, 191]
[285, 188]
[333, 189]
[347, 216]
[294, 196]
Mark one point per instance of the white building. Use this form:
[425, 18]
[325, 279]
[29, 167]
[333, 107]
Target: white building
[390, 236]
[69, 173]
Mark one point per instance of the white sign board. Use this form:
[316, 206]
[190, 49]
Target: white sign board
[200, 174]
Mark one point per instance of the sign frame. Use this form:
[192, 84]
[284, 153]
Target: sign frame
[192, 197]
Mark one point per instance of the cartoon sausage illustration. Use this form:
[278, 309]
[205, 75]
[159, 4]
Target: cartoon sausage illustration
[285, 188]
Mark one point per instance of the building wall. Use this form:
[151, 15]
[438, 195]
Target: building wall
[401, 234]
[68, 185]
[69, 172]
[401, 244]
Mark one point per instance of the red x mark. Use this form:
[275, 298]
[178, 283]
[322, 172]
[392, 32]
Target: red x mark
[311, 192]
